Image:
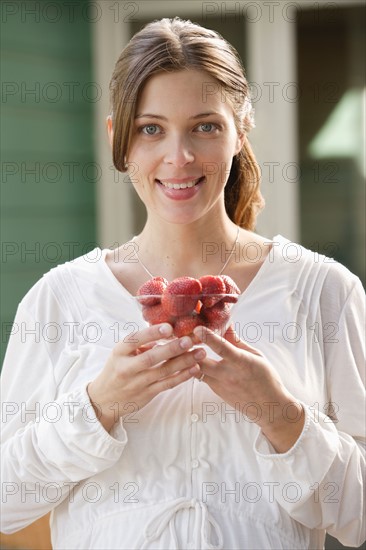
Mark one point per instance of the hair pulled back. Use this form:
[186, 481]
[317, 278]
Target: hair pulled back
[174, 45]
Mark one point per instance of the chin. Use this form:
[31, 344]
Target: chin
[181, 218]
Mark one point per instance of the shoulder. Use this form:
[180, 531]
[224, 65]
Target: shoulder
[312, 275]
[56, 287]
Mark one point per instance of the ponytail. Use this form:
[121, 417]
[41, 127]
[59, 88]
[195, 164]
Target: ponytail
[243, 199]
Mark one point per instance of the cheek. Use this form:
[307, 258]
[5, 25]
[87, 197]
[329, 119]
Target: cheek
[138, 179]
[145, 157]
[223, 149]
[141, 165]
[225, 172]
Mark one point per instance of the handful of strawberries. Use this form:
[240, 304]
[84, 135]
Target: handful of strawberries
[186, 302]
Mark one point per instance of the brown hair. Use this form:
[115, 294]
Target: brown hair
[173, 45]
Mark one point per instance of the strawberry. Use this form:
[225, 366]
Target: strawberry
[155, 314]
[211, 285]
[216, 316]
[180, 297]
[231, 288]
[153, 288]
[184, 325]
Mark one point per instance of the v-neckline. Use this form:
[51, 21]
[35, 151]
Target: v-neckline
[247, 291]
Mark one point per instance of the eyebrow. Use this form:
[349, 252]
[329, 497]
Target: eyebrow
[200, 115]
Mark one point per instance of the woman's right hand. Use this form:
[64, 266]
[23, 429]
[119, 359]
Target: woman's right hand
[138, 371]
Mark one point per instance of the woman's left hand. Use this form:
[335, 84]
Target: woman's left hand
[245, 380]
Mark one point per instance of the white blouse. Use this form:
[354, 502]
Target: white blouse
[186, 471]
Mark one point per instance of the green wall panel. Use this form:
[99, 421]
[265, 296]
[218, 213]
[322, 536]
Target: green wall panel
[48, 169]
[42, 129]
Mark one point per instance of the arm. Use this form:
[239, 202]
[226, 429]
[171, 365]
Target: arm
[49, 442]
[45, 453]
[327, 462]
[316, 464]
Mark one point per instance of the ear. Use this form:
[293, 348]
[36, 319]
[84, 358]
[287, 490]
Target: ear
[239, 143]
[109, 125]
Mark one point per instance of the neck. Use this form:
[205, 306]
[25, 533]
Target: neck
[196, 249]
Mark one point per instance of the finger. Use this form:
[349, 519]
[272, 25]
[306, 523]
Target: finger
[145, 347]
[217, 343]
[145, 336]
[170, 382]
[232, 336]
[172, 366]
[210, 368]
[160, 353]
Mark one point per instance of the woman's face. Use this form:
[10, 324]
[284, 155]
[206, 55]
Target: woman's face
[183, 143]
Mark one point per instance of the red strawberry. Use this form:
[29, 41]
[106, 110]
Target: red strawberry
[177, 297]
[212, 285]
[231, 288]
[185, 325]
[216, 316]
[154, 288]
[155, 314]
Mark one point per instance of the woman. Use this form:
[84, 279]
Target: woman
[252, 446]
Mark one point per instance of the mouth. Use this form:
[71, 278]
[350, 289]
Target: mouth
[183, 185]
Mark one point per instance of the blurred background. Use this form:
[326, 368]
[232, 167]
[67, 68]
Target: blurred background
[60, 195]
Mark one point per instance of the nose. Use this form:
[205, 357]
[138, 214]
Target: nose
[179, 151]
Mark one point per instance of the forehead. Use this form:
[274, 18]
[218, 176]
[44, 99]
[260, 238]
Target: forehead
[185, 90]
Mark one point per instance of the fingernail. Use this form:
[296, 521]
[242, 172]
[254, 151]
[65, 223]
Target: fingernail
[199, 331]
[185, 342]
[199, 354]
[165, 329]
[194, 369]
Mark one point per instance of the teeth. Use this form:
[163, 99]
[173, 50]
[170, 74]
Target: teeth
[179, 185]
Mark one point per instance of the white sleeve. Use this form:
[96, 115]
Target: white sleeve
[322, 477]
[50, 442]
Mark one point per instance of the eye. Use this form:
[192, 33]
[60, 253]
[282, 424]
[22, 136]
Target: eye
[150, 129]
[207, 127]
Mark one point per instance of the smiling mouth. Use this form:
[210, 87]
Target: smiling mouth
[184, 185]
